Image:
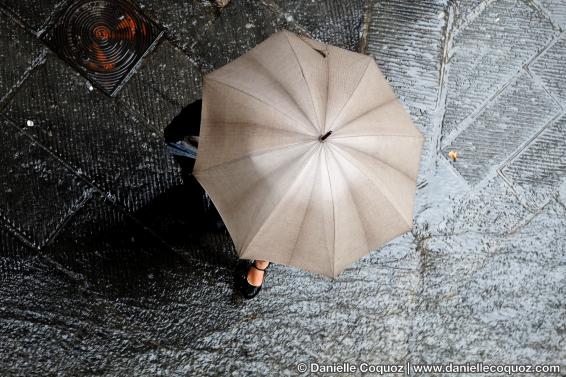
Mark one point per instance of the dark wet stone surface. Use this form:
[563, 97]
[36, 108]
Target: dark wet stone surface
[240, 26]
[113, 261]
[87, 130]
[35, 14]
[29, 175]
[19, 50]
[167, 82]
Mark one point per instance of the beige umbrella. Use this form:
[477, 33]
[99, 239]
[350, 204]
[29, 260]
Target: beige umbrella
[307, 154]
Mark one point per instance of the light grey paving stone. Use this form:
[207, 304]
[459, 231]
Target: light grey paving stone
[338, 22]
[550, 68]
[37, 193]
[464, 10]
[167, 82]
[406, 38]
[18, 51]
[514, 117]
[495, 300]
[539, 169]
[363, 315]
[488, 53]
[490, 210]
[556, 9]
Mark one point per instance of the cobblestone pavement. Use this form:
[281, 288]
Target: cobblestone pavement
[103, 271]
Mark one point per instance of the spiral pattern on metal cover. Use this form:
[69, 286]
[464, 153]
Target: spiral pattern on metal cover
[105, 38]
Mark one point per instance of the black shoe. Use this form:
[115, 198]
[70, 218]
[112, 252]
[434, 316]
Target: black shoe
[246, 289]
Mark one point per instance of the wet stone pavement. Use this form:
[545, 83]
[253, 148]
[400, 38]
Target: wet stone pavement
[109, 265]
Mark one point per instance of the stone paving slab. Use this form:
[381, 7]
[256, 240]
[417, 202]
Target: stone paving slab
[88, 131]
[167, 81]
[35, 14]
[512, 119]
[182, 20]
[540, 168]
[488, 52]
[37, 193]
[241, 26]
[335, 22]
[556, 9]
[501, 308]
[550, 69]
[406, 38]
[18, 53]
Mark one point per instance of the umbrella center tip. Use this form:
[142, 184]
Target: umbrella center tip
[323, 137]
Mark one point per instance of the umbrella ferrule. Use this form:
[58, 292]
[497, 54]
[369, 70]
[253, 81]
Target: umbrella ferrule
[323, 137]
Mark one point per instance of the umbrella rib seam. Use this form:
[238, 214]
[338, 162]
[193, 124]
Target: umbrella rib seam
[351, 96]
[259, 100]
[275, 207]
[306, 82]
[387, 196]
[376, 135]
[303, 220]
[333, 264]
[254, 154]
[389, 101]
[257, 125]
[381, 161]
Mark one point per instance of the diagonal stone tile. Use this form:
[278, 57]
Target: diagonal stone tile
[557, 10]
[406, 38]
[488, 52]
[241, 26]
[551, 69]
[182, 20]
[515, 116]
[540, 168]
[330, 21]
[464, 10]
[35, 14]
[167, 82]
[37, 193]
[19, 49]
[87, 130]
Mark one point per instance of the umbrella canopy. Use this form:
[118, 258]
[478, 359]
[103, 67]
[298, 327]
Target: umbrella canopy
[307, 154]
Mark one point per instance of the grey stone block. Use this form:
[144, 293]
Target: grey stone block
[37, 193]
[167, 82]
[556, 9]
[241, 26]
[35, 14]
[551, 69]
[406, 38]
[88, 131]
[540, 168]
[331, 21]
[464, 10]
[18, 50]
[495, 300]
[514, 117]
[490, 210]
[489, 52]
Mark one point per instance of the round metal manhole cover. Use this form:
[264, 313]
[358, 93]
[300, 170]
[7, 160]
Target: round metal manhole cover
[103, 39]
